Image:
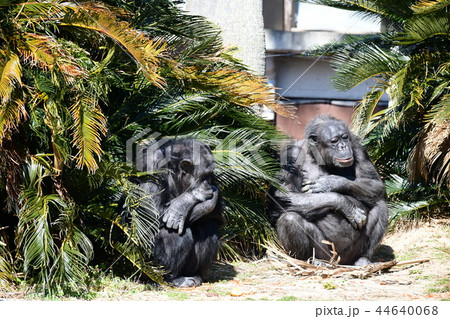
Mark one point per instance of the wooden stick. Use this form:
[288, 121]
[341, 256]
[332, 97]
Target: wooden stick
[415, 261]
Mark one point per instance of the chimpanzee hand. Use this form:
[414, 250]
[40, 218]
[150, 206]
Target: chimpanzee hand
[356, 216]
[325, 184]
[174, 216]
[204, 192]
[177, 210]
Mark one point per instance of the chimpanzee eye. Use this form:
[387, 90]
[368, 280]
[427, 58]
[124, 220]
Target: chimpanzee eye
[345, 136]
[334, 140]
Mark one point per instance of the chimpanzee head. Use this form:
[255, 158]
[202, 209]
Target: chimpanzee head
[188, 164]
[191, 163]
[330, 139]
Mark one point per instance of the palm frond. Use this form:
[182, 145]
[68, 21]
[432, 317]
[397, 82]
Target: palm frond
[11, 114]
[38, 11]
[426, 6]
[12, 107]
[368, 61]
[34, 228]
[74, 253]
[88, 128]
[248, 228]
[7, 271]
[430, 157]
[403, 199]
[421, 27]
[403, 209]
[363, 114]
[139, 259]
[10, 76]
[241, 159]
[138, 222]
[144, 50]
[143, 215]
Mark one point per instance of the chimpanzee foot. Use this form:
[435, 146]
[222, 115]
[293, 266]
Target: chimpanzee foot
[362, 261]
[184, 282]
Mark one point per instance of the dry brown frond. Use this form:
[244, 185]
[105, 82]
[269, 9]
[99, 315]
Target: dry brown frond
[327, 270]
[430, 158]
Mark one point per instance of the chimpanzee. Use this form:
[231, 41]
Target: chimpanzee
[189, 205]
[332, 192]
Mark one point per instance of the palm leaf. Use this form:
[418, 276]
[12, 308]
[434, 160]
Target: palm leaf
[75, 251]
[236, 86]
[139, 259]
[143, 49]
[139, 210]
[12, 108]
[88, 128]
[7, 271]
[144, 215]
[367, 62]
[430, 157]
[35, 237]
[403, 194]
[426, 6]
[10, 76]
[421, 27]
[364, 111]
[11, 114]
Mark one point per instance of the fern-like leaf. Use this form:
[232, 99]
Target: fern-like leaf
[88, 128]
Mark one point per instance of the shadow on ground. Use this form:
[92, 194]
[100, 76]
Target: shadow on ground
[383, 253]
[221, 271]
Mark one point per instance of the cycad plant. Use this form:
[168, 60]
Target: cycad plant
[409, 61]
[78, 81]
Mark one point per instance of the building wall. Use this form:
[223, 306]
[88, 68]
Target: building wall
[310, 78]
[305, 112]
[303, 81]
[242, 26]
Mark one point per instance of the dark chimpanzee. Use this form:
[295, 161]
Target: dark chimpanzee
[333, 193]
[189, 205]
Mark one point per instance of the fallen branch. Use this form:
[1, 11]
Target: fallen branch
[326, 269]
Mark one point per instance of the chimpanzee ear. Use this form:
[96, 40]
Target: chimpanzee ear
[186, 166]
[313, 139]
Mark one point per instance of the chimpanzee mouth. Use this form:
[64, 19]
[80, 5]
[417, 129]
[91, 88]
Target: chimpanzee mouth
[345, 161]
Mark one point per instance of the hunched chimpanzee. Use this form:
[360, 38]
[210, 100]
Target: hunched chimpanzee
[334, 193]
[189, 206]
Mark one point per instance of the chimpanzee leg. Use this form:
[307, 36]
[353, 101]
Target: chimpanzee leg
[373, 232]
[206, 239]
[299, 237]
[171, 251]
[187, 257]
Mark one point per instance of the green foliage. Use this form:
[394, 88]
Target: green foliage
[77, 82]
[409, 61]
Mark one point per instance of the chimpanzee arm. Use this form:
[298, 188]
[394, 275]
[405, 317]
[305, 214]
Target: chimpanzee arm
[204, 208]
[366, 190]
[309, 205]
[175, 214]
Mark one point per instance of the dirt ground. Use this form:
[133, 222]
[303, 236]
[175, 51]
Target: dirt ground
[267, 279]
[270, 280]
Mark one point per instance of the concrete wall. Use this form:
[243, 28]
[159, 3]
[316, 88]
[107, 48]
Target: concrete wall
[242, 26]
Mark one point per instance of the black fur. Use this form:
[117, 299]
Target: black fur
[189, 205]
[334, 193]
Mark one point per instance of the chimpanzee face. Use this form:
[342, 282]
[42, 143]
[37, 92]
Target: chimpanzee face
[334, 144]
[193, 164]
